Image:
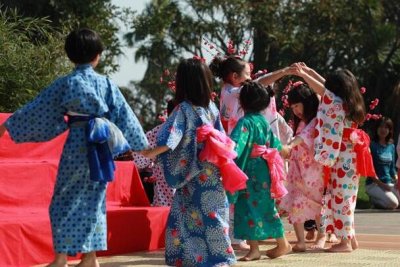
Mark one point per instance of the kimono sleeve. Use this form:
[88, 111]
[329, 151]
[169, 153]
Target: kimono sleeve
[121, 114]
[172, 131]
[217, 123]
[180, 162]
[329, 129]
[40, 120]
[273, 141]
[240, 135]
[307, 134]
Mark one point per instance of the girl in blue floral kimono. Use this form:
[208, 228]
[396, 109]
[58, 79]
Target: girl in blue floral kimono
[197, 231]
[77, 210]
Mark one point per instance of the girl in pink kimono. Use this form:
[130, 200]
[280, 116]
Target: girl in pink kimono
[341, 148]
[304, 180]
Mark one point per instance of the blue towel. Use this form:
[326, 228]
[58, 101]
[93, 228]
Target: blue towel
[105, 141]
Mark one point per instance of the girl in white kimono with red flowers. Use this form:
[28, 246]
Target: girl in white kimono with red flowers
[341, 148]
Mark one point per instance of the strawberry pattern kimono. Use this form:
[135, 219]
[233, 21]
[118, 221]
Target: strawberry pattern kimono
[197, 231]
[256, 216]
[334, 150]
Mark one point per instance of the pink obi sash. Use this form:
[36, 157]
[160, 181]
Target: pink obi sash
[276, 168]
[219, 150]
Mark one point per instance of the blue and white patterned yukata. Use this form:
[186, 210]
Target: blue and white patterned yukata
[197, 230]
[77, 210]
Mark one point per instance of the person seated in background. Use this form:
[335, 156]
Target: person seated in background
[382, 192]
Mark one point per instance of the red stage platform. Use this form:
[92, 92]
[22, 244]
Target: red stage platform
[27, 177]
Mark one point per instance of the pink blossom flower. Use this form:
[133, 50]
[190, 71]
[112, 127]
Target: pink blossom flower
[363, 90]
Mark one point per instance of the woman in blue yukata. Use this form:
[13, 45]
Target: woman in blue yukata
[197, 230]
[77, 210]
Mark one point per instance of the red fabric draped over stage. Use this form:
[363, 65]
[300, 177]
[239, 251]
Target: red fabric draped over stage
[27, 177]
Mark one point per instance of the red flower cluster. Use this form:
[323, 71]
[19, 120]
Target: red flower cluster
[370, 116]
[374, 103]
[169, 79]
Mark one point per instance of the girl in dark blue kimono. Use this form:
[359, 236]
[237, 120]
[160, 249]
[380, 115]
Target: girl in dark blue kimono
[197, 231]
[77, 210]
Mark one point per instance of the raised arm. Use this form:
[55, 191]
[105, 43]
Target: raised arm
[271, 77]
[311, 77]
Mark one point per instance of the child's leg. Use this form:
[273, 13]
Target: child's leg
[283, 247]
[254, 253]
[60, 260]
[237, 244]
[299, 230]
[321, 236]
[89, 260]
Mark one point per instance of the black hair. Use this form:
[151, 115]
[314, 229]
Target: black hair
[193, 82]
[83, 45]
[254, 97]
[303, 94]
[344, 84]
[170, 106]
[387, 122]
[222, 67]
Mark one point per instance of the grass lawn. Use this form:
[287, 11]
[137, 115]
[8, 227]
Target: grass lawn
[362, 197]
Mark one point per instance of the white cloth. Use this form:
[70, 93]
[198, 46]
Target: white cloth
[381, 198]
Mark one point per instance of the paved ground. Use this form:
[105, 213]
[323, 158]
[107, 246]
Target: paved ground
[378, 233]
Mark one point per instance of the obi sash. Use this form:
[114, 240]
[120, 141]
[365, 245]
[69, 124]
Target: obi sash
[219, 150]
[276, 168]
[104, 142]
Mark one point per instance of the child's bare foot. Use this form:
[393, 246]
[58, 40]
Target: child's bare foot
[60, 260]
[251, 256]
[310, 235]
[87, 263]
[343, 246]
[89, 260]
[319, 242]
[279, 251]
[241, 246]
[54, 264]
[354, 243]
[299, 247]
[332, 238]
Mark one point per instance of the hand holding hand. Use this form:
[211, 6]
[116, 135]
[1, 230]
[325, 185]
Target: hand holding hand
[285, 151]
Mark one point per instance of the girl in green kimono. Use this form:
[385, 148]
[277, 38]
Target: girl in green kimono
[256, 215]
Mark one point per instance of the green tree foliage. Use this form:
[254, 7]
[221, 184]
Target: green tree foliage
[31, 56]
[99, 15]
[361, 35]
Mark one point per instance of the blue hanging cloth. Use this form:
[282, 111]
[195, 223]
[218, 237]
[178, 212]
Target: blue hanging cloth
[105, 141]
